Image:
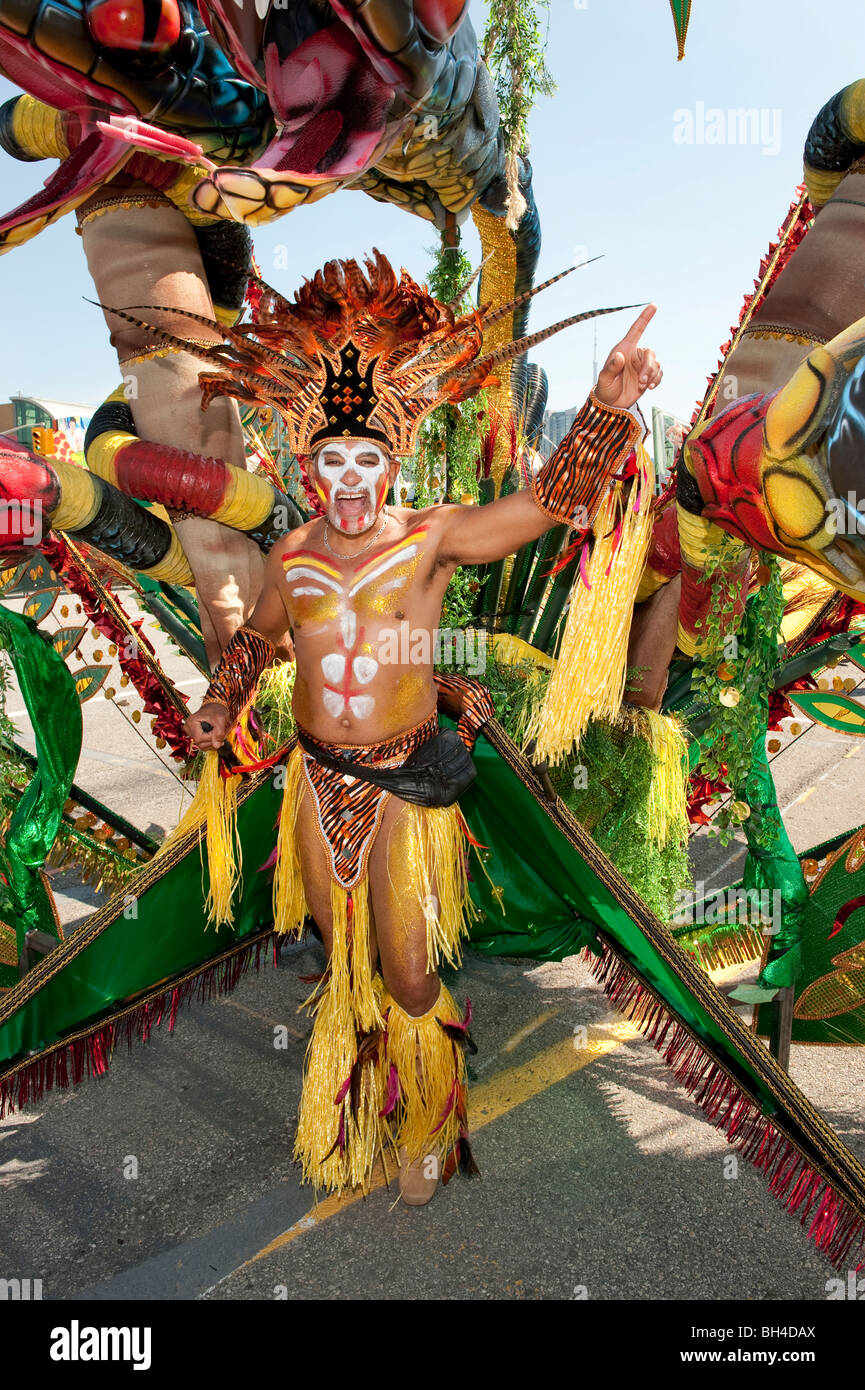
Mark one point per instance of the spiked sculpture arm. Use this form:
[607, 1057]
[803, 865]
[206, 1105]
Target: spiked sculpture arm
[235, 678]
[569, 487]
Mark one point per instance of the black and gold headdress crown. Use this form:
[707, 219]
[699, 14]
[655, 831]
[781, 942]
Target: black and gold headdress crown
[360, 353]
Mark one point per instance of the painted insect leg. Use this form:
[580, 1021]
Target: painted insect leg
[148, 255]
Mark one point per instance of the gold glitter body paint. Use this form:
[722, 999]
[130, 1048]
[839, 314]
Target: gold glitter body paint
[358, 662]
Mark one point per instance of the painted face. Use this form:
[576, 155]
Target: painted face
[351, 478]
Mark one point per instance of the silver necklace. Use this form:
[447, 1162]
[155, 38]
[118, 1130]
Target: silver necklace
[343, 555]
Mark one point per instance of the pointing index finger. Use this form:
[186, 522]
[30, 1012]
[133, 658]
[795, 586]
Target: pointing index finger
[640, 324]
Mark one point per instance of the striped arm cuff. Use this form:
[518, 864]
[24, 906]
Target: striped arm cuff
[466, 700]
[569, 487]
[235, 678]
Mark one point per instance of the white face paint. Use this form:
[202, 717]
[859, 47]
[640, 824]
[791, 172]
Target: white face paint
[351, 479]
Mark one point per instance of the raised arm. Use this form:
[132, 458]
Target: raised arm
[571, 485]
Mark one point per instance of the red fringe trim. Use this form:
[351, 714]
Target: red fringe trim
[90, 1055]
[169, 720]
[831, 1224]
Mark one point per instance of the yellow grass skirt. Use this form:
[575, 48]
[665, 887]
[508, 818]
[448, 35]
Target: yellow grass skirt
[376, 1079]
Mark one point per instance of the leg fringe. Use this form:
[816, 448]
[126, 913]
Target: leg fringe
[89, 1053]
[430, 1115]
[289, 902]
[340, 1127]
[443, 897]
[833, 1226]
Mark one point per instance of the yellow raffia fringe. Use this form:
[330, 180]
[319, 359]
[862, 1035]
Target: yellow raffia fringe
[349, 975]
[431, 864]
[330, 1057]
[668, 797]
[214, 805]
[349, 1003]
[224, 854]
[589, 678]
[428, 1065]
[289, 901]
[510, 650]
[213, 810]
[668, 794]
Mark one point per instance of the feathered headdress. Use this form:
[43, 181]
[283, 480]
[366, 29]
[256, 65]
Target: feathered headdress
[359, 354]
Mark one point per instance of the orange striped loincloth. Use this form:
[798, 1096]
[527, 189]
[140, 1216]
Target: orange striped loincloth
[348, 811]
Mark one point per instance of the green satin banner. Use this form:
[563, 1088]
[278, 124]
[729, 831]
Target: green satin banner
[48, 690]
[772, 868]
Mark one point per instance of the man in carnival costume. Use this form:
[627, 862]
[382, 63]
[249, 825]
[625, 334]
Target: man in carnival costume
[371, 841]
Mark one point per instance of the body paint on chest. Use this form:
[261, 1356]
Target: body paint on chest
[322, 594]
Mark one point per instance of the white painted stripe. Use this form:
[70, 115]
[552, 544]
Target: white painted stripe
[388, 564]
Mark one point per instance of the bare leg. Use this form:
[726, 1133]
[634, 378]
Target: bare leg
[149, 256]
[399, 915]
[425, 1113]
[340, 1128]
[651, 646]
[315, 870]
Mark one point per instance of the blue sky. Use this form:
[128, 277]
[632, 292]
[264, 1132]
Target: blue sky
[684, 224]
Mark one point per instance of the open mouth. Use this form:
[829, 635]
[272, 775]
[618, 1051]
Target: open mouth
[352, 506]
[330, 103]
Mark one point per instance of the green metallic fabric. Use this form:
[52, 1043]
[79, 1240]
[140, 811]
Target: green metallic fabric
[829, 1004]
[153, 931]
[772, 866]
[49, 693]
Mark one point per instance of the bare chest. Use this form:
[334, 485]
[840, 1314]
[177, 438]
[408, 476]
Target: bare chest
[346, 617]
[321, 589]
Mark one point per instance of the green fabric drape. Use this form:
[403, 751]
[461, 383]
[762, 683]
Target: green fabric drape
[48, 690]
[772, 867]
[154, 930]
[829, 1005]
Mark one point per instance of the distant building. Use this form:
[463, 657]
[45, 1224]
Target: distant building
[68, 421]
[668, 433]
[556, 425]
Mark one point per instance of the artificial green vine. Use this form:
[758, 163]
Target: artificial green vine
[737, 654]
[449, 441]
[513, 49]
